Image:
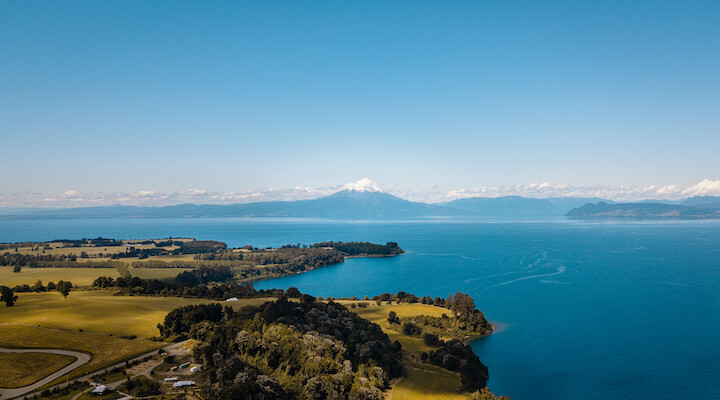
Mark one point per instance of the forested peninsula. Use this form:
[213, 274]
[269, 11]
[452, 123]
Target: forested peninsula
[246, 343]
[195, 261]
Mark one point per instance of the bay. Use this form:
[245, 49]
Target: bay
[583, 310]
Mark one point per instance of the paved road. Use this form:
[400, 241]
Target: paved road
[80, 359]
[169, 348]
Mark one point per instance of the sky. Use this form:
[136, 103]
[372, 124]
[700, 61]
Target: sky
[162, 102]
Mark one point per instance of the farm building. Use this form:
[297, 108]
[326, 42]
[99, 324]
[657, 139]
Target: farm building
[100, 390]
[179, 384]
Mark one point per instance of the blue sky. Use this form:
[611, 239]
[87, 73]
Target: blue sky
[423, 97]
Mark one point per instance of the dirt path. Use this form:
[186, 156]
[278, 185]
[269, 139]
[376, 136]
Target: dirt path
[80, 360]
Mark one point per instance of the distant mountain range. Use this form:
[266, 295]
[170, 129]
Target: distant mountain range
[346, 204]
[515, 206]
[367, 201]
[705, 209]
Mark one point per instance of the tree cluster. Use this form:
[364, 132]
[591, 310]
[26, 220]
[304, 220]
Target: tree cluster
[199, 247]
[141, 386]
[288, 350]
[181, 288]
[362, 248]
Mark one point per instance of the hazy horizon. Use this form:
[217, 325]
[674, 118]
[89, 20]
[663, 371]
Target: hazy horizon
[196, 196]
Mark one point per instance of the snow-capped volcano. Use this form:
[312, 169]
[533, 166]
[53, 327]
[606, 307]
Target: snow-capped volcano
[363, 185]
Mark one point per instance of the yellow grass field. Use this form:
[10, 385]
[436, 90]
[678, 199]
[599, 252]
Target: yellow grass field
[428, 382]
[78, 276]
[106, 349]
[423, 381]
[379, 314]
[22, 369]
[58, 249]
[99, 311]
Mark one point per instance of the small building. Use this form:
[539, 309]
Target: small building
[232, 299]
[180, 384]
[173, 379]
[183, 366]
[100, 390]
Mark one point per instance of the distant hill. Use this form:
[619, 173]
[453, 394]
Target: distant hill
[604, 210]
[511, 206]
[703, 202]
[346, 204]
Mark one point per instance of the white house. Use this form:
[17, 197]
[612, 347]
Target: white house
[179, 384]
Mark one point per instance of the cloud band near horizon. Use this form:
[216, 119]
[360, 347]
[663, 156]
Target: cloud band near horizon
[73, 198]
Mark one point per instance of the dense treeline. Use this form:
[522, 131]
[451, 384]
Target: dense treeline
[283, 255]
[63, 287]
[50, 261]
[362, 248]
[200, 246]
[288, 350]
[182, 288]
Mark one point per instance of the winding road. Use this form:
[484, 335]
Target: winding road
[80, 360]
[27, 391]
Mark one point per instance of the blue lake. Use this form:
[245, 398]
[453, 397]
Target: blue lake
[623, 310]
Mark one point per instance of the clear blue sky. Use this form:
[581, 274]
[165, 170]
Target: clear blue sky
[125, 96]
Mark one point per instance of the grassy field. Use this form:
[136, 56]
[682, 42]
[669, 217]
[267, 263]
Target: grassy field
[105, 349]
[379, 314]
[427, 382]
[58, 249]
[78, 276]
[423, 381]
[99, 311]
[22, 369]
[93, 311]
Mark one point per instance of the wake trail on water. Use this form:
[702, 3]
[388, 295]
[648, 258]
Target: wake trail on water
[561, 269]
[532, 267]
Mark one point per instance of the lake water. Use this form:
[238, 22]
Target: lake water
[623, 310]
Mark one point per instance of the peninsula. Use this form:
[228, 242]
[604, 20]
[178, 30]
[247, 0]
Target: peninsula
[124, 301]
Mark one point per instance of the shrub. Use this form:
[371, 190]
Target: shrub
[411, 329]
[431, 340]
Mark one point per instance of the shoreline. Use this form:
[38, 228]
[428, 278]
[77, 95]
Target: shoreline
[329, 265]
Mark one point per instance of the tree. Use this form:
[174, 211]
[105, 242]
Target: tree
[17, 268]
[463, 305]
[393, 318]
[431, 339]
[51, 286]
[293, 292]
[38, 286]
[64, 288]
[7, 296]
